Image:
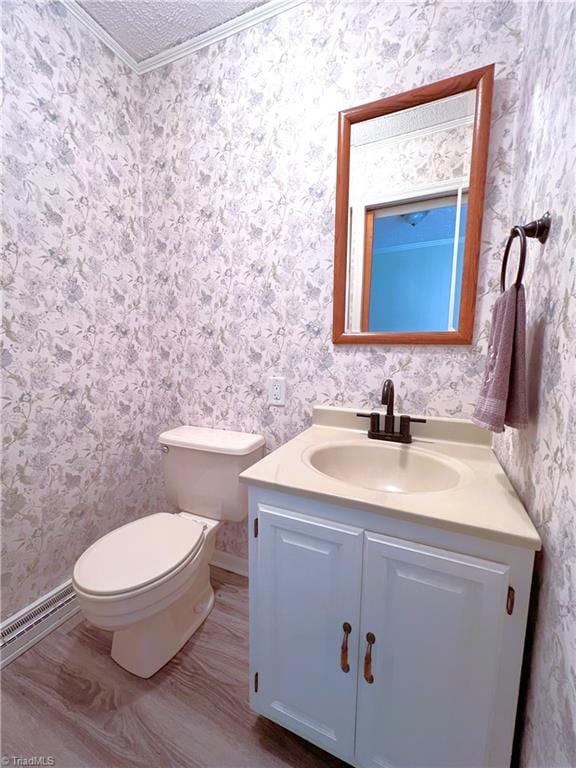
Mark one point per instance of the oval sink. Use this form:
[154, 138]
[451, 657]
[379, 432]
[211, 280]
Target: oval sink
[385, 467]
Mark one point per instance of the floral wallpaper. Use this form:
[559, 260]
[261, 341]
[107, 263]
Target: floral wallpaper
[239, 169]
[75, 352]
[541, 461]
[141, 299]
[168, 245]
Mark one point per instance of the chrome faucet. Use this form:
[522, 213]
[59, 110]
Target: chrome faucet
[389, 432]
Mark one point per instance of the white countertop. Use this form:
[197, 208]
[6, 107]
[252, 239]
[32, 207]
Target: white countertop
[484, 504]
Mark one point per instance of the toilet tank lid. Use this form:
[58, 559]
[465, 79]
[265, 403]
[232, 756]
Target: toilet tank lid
[212, 440]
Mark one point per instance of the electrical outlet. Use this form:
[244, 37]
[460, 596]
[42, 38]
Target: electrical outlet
[276, 390]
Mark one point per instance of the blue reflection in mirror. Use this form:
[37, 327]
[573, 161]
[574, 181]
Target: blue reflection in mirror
[416, 274]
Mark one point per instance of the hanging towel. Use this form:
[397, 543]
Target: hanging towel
[517, 402]
[503, 397]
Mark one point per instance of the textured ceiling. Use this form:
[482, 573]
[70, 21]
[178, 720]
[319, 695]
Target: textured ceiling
[145, 28]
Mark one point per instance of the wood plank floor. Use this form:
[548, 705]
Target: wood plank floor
[66, 698]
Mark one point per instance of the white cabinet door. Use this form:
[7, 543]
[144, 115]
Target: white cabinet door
[308, 587]
[436, 618]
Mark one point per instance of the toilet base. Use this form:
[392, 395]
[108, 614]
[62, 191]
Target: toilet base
[145, 647]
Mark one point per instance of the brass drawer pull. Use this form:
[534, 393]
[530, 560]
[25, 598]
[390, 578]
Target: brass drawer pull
[344, 666]
[368, 676]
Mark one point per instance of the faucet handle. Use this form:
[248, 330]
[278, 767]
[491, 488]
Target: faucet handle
[405, 422]
[374, 420]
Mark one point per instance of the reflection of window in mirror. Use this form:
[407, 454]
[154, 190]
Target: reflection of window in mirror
[413, 257]
[402, 158]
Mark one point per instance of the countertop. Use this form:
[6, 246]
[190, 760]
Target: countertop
[484, 503]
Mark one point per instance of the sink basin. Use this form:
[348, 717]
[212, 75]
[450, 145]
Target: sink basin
[386, 467]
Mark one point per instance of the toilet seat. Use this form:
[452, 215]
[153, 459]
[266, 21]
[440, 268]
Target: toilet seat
[138, 555]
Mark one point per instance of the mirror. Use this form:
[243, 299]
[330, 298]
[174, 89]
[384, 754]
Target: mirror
[409, 203]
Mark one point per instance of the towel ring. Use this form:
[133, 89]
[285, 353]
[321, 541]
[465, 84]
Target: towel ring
[538, 229]
[515, 232]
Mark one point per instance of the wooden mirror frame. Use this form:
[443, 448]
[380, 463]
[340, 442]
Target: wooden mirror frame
[483, 81]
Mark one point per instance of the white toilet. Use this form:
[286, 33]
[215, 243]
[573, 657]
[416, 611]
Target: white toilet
[149, 581]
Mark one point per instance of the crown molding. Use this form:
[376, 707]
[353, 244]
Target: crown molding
[79, 13]
[240, 23]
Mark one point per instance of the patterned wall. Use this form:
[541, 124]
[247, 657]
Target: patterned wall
[118, 325]
[239, 152]
[541, 460]
[75, 352]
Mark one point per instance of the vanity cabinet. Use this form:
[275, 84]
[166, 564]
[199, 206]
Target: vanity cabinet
[308, 588]
[427, 681]
[382, 649]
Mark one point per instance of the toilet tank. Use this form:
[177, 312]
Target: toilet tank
[201, 468]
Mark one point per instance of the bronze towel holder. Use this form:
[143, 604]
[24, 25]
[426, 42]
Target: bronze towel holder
[539, 229]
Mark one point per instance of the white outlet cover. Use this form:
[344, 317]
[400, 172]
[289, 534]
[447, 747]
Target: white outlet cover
[276, 390]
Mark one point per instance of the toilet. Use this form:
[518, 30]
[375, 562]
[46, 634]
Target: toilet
[149, 581]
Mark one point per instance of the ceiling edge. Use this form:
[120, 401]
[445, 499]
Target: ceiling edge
[245, 21]
[83, 16]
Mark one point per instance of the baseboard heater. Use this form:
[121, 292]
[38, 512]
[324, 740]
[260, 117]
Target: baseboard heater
[25, 628]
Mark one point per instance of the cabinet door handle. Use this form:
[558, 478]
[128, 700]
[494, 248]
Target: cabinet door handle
[368, 676]
[344, 666]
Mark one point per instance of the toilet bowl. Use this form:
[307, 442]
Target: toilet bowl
[149, 580]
